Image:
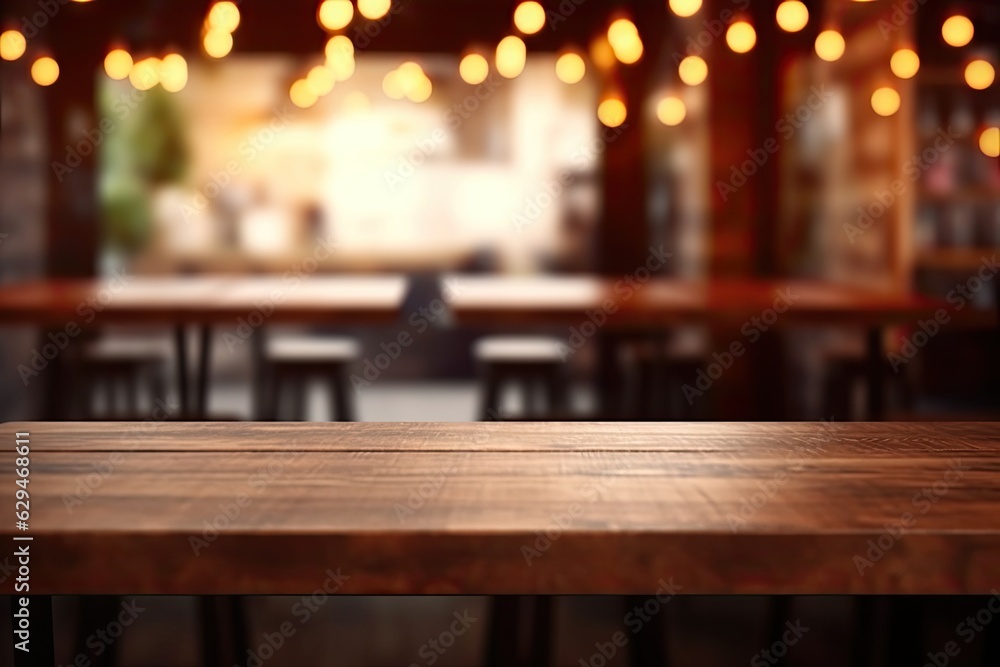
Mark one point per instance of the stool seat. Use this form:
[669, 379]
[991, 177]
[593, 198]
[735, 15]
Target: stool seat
[291, 361]
[123, 368]
[312, 349]
[127, 349]
[520, 349]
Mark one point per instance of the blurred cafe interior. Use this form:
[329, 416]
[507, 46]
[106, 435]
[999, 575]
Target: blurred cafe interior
[439, 210]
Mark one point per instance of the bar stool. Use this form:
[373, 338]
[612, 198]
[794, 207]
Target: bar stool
[293, 361]
[533, 362]
[120, 368]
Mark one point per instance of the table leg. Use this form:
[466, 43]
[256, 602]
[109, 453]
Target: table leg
[181, 350]
[204, 361]
[876, 377]
[258, 347]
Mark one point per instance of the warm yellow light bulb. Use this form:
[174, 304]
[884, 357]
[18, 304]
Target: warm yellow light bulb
[630, 52]
[173, 73]
[693, 70]
[339, 47]
[957, 30]
[885, 101]
[741, 37]
[335, 14]
[118, 64]
[612, 112]
[510, 56]
[905, 63]
[792, 16]
[374, 9]
[301, 95]
[224, 16]
[218, 43]
[320, 80]
[671, 110]
[12, 45]
[145, 74]
[392, 85]
[570, 68]
[989, 142]
[685, 8]
[529, 17]
[830, 45]
[420, 90]
[45, 71]
[473, 69]
[979, 74]
[621, 32]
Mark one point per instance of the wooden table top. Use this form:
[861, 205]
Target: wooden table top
[205, 299]
[481, 508]
[499, 300]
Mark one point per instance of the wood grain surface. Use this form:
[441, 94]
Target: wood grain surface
[513, 507]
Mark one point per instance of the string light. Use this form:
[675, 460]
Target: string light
[474, 68]
[217, 43]
[118, 64]
[685, 8]
[45, 71]
[693, 70]
[830, 45]
[989, 142]
[570, 68]
[173, 74]
[885, 101]
[510, 56]
[392, 86]
[905, 63]
[957, 30]
[601, 53]
[145, 74]
[320, 80]
[741, 37]
[624, 39]
[335, 14]
[792, 16]
[529, 17]
[671, 110]
[612, 112]
[223, 16]
[301, 95]
[979, 74]
[374, 9]
[12, 45]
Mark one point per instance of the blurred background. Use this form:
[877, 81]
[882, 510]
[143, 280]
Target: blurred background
[528, 153]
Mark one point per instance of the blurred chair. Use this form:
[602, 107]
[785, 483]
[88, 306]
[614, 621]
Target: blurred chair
[533, 362]
[292, 361]
[659, 368]
[121, 369]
